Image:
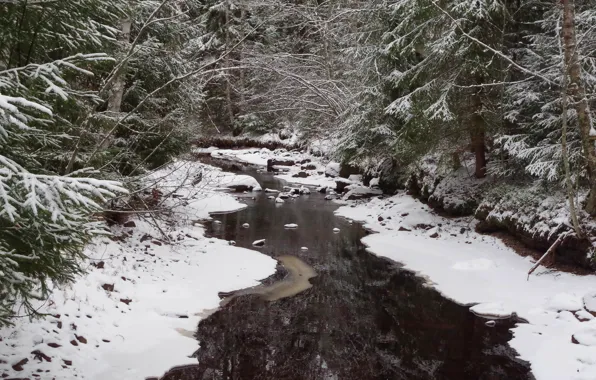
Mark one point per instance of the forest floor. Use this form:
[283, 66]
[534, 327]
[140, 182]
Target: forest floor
[133, 314]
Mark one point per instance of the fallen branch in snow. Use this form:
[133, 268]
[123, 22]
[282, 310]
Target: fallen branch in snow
[550, 250]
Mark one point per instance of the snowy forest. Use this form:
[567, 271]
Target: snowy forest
[479, 108]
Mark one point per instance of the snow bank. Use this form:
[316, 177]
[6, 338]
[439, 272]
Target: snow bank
[471, 268]
[133, 314]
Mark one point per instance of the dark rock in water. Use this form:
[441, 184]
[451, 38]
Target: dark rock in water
[322, 189]
[306, 161]
[434, 235]
[308, 167]
[346, 170]
[300, 175]
[361, 192]
[259, 243]
[130, 224]
[295, 190]
[380, 219]
[240, 188]
[403, 229]
[279, 162]
[341, 183]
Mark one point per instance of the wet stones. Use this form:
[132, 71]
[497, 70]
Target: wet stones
[259, 243]
[272, 162]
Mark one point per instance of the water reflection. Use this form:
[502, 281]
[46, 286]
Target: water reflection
[364, 318]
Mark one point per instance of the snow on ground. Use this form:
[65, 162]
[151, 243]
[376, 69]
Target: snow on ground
[259, 157]
[471, 268]
[133, 314]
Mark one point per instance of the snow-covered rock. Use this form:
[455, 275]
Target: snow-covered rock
[291, 225]
[304, 248]
[259, 243]
[271, 197]
[245, 225]
[361, 192]
[271, 190]
[332, 169]
[279, 200]
[355, 177]
[491, 310]
[336, 230]
[374, 182]
[586, 336]
[590, 302]
[304, 190]
[241, 183]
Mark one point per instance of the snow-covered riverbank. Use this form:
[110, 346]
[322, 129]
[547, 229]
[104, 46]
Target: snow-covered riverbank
[472, 268]
[130, 316]
[307, 170]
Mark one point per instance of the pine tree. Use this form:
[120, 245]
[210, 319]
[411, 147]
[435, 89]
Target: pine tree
[46, 218]
[534, 103]
[443, 81]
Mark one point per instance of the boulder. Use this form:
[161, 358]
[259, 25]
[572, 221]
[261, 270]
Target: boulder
[332, 169]
[273, 162]
[341, 184]
[361, 192]
[301, 174]
[347, 170]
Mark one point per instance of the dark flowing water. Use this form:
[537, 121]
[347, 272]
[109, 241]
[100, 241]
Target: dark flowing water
[363, 318]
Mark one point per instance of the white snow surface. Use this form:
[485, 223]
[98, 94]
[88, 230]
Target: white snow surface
[161, 278]
[291, 225]
[471, 268]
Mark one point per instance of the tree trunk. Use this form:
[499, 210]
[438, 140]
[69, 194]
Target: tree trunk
[478, 135]
[577, 92]
[117, 90]
[479, 147]
[241, 60]
[227, 64]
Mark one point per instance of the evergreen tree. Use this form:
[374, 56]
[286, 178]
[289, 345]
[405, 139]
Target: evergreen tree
[46, 218]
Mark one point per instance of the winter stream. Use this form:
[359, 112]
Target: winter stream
[361, 317]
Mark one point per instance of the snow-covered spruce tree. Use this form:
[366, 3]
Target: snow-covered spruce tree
[44, 32]
[443, 82]
[45, 218]
[366, 133]
[534, 103]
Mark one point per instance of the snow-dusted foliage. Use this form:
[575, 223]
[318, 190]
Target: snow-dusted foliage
[46, 218]
[534, 102]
